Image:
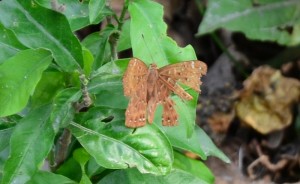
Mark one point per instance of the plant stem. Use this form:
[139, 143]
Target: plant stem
[62, 147]
[113, 41]
[86, 99]
[122, 16]
[115, 35]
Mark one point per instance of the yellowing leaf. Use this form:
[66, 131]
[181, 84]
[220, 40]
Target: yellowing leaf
[267, 100]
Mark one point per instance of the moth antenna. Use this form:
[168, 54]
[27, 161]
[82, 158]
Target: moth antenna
[147, 48]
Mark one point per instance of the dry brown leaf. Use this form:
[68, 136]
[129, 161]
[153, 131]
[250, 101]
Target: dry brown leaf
[267, 100]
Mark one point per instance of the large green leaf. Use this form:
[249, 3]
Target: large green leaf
[63, 108]
[149, 39]
[30, 144]
[49, 178]
[51, 31]
[116, 147]
[130, 176]
[17, 86]
[270, 20]
[194, 167]
[9, 44]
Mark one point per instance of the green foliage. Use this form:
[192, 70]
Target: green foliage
[30, 143]
[16, 87]
[268, 20]
[42, 176]
[130, 176]
[45, 76]
[194, 167]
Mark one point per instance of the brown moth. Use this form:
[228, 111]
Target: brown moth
[148, 87]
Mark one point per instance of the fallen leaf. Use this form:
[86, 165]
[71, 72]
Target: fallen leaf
[267, 100]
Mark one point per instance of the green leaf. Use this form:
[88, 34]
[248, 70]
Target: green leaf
[108, 91]
[103, 114]
[5, 135]
[63, 110]
[17, 86]
[148, 36]
[124, 41]
[50, 178]
[194, 167]
[93, 168]
[267, 20]
[30, 144]
[9, 44]
[199, 142]
[50, 31]
[106, 85]
[48, 86]
[96, 7]
[207, 145]
[77, 12]
[82, 157]
[88, 60]
[98, 44]
[150, 40]
[130, 176]
[187, 113]
[71, 169]
[177, 135]
[116, 147]
[3, 157]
